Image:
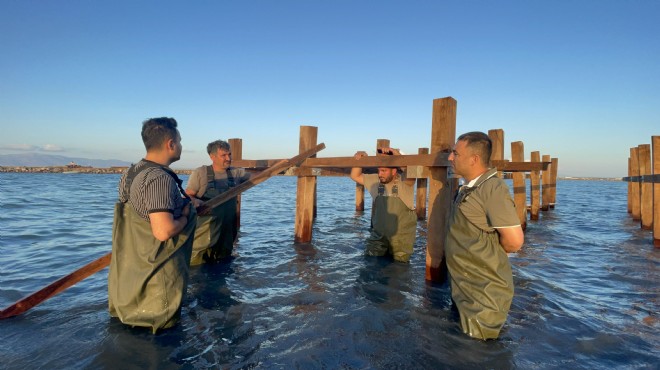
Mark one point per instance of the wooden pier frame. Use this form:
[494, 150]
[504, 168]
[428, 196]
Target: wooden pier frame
[644, 186]
[430, 166]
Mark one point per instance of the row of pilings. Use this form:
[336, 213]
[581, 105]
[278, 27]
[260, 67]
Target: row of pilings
[435, 187]
[644, 186]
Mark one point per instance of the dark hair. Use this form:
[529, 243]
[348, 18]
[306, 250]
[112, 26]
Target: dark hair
[155, 131]
[480, 144]
[218, 144]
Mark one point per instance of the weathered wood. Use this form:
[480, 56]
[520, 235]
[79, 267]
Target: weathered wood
[441, 188]
[420, 194]
[519, 186]
[629, 186]
[236, 146]
[545, 188]
[56, 287]
[645, 188]
[306, 190]
[636, 194]
[655, 143]
[535, 193]
[554, 167]
[497, 138]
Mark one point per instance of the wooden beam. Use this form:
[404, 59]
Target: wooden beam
[634, 161]
[422, 189]
[519, 186]
[655, 143]
[535, 193]
[646, 188]
[306, 190]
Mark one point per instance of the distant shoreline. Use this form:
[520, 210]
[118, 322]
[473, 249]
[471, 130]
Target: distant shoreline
[119, 170]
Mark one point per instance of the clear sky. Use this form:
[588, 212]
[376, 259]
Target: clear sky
[579, 80]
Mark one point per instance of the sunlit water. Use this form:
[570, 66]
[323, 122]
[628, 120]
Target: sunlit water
[587, 284]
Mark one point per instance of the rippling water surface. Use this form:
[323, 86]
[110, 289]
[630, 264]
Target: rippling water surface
[587, 283]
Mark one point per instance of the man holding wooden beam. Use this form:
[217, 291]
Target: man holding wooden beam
[393, 221]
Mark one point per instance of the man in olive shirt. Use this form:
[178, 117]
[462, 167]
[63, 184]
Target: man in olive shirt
[483, 228]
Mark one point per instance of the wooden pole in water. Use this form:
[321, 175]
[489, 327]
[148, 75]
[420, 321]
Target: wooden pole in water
[441, 188]
[497, 138]
[646, 188]
[306, 190]
[655, 142]
[553, 181]
[535, 193]
[236, 146]
[545, 189]
[634, 161]
[519, 188]
[420, 195]
[630, 186]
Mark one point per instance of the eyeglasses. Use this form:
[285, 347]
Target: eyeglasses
[389, 152]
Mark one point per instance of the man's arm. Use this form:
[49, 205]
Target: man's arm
[192, 190]
[511, 238]
[165, 226]
[356, 172]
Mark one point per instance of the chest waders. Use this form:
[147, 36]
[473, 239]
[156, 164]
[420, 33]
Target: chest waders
[393, 227]
[216, 232]
[148, 278]
[481, 278]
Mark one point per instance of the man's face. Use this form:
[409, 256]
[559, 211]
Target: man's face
[176, 155]
[221, 159]
[386, 175]
[461, 158]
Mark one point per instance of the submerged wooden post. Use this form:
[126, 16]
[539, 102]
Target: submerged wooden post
[646, 188]
[634, 162]
[420, 195]
[306, 190]
[519, 188]
[655, 142]
[497, 138]
[553, 181]
[535, 193]
[236, 146]
[545, 189]
[630, 186]
[441, 188]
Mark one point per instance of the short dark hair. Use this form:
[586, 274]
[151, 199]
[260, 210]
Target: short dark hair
[218, 144]
[480, 144]
[155, 131]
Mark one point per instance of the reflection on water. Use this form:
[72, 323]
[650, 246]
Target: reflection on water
[586, 289]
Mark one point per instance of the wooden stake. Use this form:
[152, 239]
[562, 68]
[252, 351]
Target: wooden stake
[655, 142]
[535, 193]
[519, 186]
[420, 195]
[237, 154]
[645, 188]
[545, 190]
[441, 188]
[636, 195]
[306, 190]
[497, 138]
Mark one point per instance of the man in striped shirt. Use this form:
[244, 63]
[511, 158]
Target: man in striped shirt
[152, 236]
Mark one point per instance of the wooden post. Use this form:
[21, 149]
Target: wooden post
[634, 161]
[630, 185]
[420, 195]
[359, 197]
[646, 188]
[519, 188]
[655, 142]
[553, 181]
[441, 188]
[535, 192]
[305, 194]
[237, 155]
[497, 138]
[545, 189]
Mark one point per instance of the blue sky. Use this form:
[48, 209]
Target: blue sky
[579, 80]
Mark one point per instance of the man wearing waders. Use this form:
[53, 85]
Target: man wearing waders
[393, 219]
[483, 228]
[216, 233]
[152, 234]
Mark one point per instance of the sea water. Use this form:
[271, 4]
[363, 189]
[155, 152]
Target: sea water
[586, 289]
